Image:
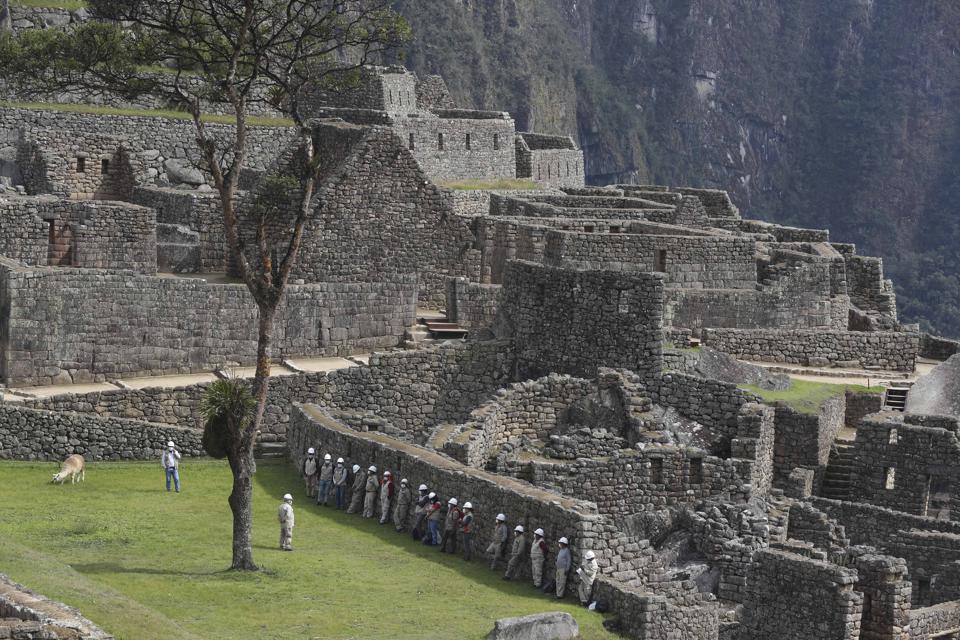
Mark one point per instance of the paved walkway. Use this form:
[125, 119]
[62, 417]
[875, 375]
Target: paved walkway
[862, 377]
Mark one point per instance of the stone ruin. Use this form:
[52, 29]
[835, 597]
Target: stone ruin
[601, 391]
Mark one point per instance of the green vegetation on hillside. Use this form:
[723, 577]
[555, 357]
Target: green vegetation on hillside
[142, 113]
[807, 396]
[144, 563]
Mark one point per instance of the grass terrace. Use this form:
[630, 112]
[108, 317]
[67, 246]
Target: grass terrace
[143, 563]
[503, 184]
[143, 113]
[50, 4]
[806, 396]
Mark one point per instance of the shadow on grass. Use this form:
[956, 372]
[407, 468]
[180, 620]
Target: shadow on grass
[112, 567]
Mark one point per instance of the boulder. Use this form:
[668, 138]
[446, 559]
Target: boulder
[554, 625]
[716, 365]
[179, 172]
[938, 392]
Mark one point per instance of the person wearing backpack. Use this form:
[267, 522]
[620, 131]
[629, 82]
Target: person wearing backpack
[450, 526]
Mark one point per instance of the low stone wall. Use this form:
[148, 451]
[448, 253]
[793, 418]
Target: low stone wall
[867, 524]
[52, 619]
[940, 618]
[804, 439]
[889, 350]
[937, 348]
[860, 405]
[76, 325]
[712, 403]
[31, 434]
[646, 616]
[790, 597]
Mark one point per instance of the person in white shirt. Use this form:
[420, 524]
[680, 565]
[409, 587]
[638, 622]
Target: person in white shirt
[285, 516]
[171, 465]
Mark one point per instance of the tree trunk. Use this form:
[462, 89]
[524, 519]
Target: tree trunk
[241, 504]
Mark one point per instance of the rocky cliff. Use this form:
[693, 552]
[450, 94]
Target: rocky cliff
[826, 113]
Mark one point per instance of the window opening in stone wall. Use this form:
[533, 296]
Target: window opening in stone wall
[623, 301]
[890, 478]
[660, 261]
[892, 436]
[104, 166]
[440, 141]
[696, 471]
[496, 141]
[541, 293]
[558, 170]
[400, 98]
[867, 607]
[923, 590]
[614, 229]
[468, 141]
[539, 174]
[937, 498]
[568, 169]
[549, 171]
[81, 164]
[656, 471]
[412, 142]
[588, 228]
[391, 96]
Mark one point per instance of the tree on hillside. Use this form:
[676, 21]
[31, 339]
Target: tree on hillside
[236, 52]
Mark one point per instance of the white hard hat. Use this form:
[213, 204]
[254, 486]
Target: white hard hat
[327, 456]
[387, 473]
[432, 495]
[538, 532]
[452, 501]
[518, 528]
[501, 517]
[404, 481]
[339, 460]
[589, 555]
[468, 505]
[563, 540]
[372, 469]
[310, 451]
[356, 468]
[423, 487]
[170, 443]
[287, 496]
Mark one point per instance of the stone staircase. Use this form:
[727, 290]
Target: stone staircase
[434, 328]
[60, 245]
[836, 479]
[270, 451]
[895, 398]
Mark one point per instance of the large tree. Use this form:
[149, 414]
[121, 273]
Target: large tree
[235, 53]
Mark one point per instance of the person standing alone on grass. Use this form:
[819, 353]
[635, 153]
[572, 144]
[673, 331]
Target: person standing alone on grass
[309, 472]
[370, 490]
[285, 515]
[386, 496]
[356, 490]
[340, 484]
[171, 465]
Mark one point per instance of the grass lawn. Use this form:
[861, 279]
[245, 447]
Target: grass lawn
[501, 184]
[142, 113]
[143, 563]
[50, 4]
[807, 396]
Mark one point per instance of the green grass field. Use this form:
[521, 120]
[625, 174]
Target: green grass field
[143, 563]
[807, 396]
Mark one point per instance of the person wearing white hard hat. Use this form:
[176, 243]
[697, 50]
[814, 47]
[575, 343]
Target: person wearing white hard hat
[170, 459]
[498, 545]
[356, 490]
[466, 531]
[538, 555]
[517, 552]
[450, 526]
[401, 514]
[587, 572]
[387, 491]
[326, 480]
[420, 512]
[370, 489]
[309, 471]
[285, 516]
[434, 513]
[563, 566]
[340, 484]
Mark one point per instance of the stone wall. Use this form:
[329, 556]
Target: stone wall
[868, 289]
[860, 405]
[888, 350]
[471, 148]
[790, 597]
[471, 305]
[31, 434]
[575, 321]
[712, 403]
[931, 621]
[697, 262]
[899, 465]
[41, 616]
[677, 616]
[553, 160]
[24, 234]
[76, 325]
[937, 348]
[804, 439]
[197, 211]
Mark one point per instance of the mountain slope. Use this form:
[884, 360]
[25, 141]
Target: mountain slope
[823, 113]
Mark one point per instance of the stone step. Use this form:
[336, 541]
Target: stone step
[270, 450]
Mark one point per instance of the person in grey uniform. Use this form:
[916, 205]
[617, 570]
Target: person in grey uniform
[326, 480]
[517, 552]
[340, 484]
[357, 490]
[563, 566]
[498, 545]
[370, 489]
[420, 513]
[402, 513]
[538, 554]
